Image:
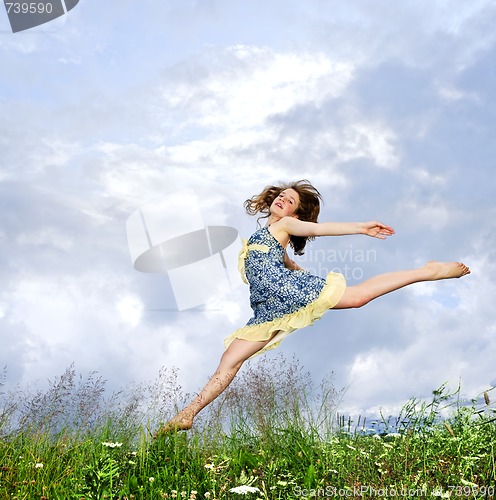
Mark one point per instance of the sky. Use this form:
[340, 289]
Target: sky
[388, 108]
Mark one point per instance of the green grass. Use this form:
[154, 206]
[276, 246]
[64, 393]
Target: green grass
[273, 431]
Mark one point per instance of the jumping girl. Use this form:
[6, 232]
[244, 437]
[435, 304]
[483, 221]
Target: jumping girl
[283, 296]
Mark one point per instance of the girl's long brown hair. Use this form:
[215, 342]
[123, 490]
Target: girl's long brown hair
[308, 208]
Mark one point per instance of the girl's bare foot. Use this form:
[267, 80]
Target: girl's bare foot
[445, 270]
[181, 422]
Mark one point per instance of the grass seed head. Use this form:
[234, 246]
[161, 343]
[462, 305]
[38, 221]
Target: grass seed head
[486, 398]
[449, 429]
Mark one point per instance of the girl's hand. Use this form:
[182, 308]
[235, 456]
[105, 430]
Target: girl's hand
[291, 264]
[376, 229]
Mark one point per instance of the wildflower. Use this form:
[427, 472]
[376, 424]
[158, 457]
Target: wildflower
[112, 445]
[209, 466]
[207, 494]
[393, 435]
[193, 494]
[243, 490]
[151, 479]
[38, 466]
[174, 494]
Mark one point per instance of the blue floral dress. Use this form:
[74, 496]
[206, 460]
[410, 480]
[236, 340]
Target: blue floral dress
[282, 299]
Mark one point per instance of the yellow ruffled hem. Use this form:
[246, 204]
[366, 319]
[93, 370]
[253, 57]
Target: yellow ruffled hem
[331, 294]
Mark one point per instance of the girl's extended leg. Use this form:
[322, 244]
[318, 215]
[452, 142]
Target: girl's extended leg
[361, 294]
[230, 363]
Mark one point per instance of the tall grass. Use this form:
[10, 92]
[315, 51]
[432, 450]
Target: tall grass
[274, 434]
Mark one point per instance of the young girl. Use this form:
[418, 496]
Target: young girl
[283, 296]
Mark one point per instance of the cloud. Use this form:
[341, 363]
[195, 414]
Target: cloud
[130, 308]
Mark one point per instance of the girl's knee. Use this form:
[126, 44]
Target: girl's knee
[231, 359]
[354, 297]
[357, 302]
[228, 359]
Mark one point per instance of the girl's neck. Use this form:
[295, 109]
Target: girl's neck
[271, 220]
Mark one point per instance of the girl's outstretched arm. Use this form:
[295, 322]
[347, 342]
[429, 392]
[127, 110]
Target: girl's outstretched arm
[301, 228]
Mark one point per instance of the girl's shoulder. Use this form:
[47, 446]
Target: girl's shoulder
[279, 232]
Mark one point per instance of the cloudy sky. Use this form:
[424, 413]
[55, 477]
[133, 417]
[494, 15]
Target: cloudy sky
[387, 107]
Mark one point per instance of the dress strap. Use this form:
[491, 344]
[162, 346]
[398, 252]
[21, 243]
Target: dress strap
[244, 253]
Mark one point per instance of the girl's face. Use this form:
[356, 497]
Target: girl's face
[285, 204]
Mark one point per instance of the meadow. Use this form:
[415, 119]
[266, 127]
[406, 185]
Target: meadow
[274, 434]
